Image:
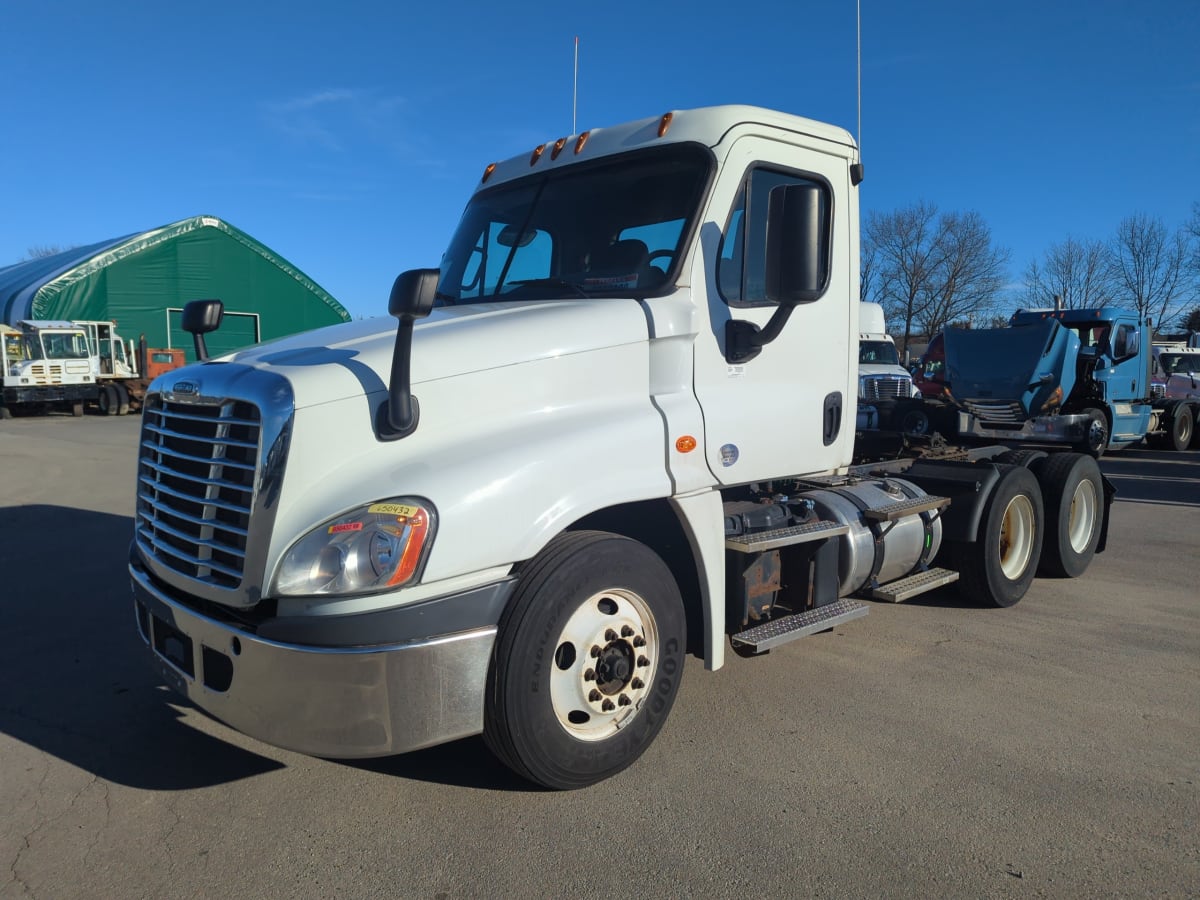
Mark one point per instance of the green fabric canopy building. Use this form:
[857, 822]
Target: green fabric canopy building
[141, 281]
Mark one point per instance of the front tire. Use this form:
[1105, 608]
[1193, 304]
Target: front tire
[1095, 439]
[998, 567]
[1073, 491]
[588, 660]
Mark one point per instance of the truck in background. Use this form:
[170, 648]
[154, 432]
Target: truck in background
[123, 370]
[1063, 376]
[1181, 373]
[613, 428]
[885, 387]
[46, 365]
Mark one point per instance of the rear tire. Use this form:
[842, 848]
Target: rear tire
[1181, 427]
[1025, 458]
[122, 400]
[5, 412]
[107, 400]
[1073, 492]
[588, 659]
[998, 567]
[77, 408]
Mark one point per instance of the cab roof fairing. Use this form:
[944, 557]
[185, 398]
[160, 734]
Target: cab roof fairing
[706, 125]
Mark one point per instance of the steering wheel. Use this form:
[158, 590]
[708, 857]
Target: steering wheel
[660, 254]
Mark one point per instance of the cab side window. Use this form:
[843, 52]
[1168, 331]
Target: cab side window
[742, 259]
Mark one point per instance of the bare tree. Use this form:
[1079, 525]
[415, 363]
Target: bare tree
[901, 248]
[41, 251]
[929, 269]
[1076, 271]
[969, 274]
[1147, 269]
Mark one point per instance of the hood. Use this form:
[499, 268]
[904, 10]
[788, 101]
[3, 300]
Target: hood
[1023, 363]
[341, 361]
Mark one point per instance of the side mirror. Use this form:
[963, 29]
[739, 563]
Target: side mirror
[796, 267]
[199, 318]
[413, 293]
[797, 251]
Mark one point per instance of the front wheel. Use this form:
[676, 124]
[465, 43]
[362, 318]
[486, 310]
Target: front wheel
[1095, 438]
[588, 660]
[998, 567]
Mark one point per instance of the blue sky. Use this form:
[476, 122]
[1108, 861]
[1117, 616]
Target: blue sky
[348, 136]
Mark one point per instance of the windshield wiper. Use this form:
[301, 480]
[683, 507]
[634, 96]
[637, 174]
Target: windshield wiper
[555, 283]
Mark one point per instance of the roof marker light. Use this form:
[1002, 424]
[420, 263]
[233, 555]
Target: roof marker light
[582, 140]
[537, 154]
[558, 147]
[664, 124]
[487, 173]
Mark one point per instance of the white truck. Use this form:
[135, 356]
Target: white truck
[885, 387]
[45, 364]
[122, 368]
[615, 427]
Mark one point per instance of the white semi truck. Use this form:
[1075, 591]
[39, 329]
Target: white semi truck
[614, 427]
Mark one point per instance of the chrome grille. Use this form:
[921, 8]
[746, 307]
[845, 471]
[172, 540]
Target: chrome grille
[197, 470]
[884, 387]
[1157, 390]
[999, 412]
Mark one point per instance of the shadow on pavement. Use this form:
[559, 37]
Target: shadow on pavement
[464, 763]
[1154, 476]
[74, 678]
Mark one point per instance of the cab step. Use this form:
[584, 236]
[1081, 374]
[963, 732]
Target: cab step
[898, 510]
[784, 537]
[906, 588]
[788, 628]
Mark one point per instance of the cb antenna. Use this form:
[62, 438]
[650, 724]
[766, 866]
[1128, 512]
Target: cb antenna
[856, 170]
[575, 88]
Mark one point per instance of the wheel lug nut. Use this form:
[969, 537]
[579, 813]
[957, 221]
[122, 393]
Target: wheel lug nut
[589, 675]
[595, 651]
[642, 661]
[607, 706]
[594, 696]
[639, 641]
[623, 700]
[610, 635]
[637, 684]
[626, 631]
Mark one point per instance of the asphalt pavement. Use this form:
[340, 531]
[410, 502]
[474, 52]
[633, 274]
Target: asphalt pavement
[932, 748]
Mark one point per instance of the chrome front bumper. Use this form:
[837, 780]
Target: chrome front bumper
[338, 702]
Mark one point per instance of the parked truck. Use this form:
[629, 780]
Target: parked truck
[885, 388]
[122, 368]
[45, 366]
[614, 427]
[1063, 376]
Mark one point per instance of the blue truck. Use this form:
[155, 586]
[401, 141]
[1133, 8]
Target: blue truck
[1079, 377]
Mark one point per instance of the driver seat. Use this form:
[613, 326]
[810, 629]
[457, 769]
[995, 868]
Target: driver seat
[626, 263]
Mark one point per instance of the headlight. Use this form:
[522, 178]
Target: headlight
[377, 547]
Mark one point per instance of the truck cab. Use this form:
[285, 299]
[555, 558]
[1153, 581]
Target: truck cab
[45, 363]
[615, 426]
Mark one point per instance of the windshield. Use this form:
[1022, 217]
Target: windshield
[59, 345]
[613, 227]
[1179, 363]
[878, 352]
